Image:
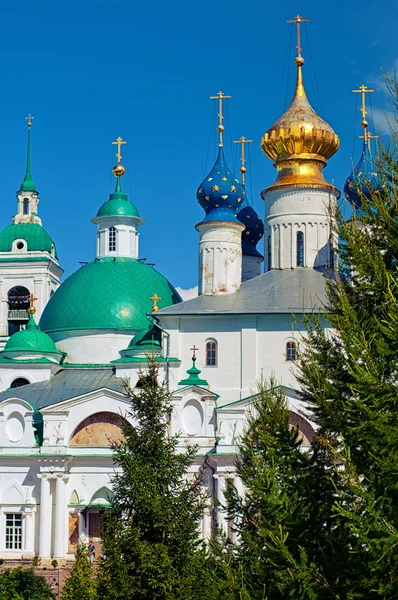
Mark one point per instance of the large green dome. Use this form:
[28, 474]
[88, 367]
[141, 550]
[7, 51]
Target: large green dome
[36, 238]
[109, 293]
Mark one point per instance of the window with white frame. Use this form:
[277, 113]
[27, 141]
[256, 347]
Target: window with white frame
[112, 239]
[211, 353]
[13, 531]
[291, 350]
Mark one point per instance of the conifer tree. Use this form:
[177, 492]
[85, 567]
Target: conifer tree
[349, 374]
[81, 583]
[151, 537]
[294, 535]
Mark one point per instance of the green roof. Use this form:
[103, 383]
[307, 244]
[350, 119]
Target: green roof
[146, 339]
[30, 339]
[193, 376]
[36, 238]
[108, 293]
[118, 205]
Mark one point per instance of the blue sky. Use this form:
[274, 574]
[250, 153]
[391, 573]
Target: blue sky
[95, 69]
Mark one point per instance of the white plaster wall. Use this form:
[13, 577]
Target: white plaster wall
[40, 278]
[220, 257]
[92, 346]
[126, 237]
[30, 372]
[292, 210]
[249, 347]
[16, 428]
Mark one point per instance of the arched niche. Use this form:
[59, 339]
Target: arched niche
[101, 497]
[98, 430]
[74, 498]
[306, 431]
[13, 494]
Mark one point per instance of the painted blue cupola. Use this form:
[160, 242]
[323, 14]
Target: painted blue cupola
[363, 180]
[220, 194]
[254, 230]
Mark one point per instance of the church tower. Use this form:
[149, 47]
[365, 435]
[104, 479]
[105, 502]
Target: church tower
[117, 219]
[299, 205]
[29, 264]
[220, 251]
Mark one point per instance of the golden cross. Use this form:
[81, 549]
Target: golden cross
[298, 19]
[194, 348]
[242, 140]
[32, 308]
[220, 97]
[119, 142]
[29, 119]
[155, 299]
[363, 90]
[367, 136]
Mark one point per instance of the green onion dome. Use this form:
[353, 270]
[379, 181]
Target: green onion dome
[36, 238]
[108, 293]
[118, 205]
[30, 340]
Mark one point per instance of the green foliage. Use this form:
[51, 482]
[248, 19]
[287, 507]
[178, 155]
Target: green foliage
[293, 542]
[81, 583]
[151, 542]
[23, 584]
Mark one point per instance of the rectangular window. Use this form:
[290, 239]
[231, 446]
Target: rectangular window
[112, 239]
[13, 531]
[211, 354]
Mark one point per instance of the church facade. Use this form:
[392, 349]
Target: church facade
[64, 363]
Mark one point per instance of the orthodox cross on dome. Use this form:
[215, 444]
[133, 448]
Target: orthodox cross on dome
[194, 349]
[155, 299]
[220, 97]
[363, 90]
[298, 19]
[118, 170]
[29, 119]
[367, 137]
[242, 140]
[32, 308]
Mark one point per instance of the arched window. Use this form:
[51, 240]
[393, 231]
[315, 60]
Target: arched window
[19, 382]
[331, 252]
[18, 304]
[300, 249]
[269, 254]
[211, 353]
[26, 206]
[291, 351]
[112, 239]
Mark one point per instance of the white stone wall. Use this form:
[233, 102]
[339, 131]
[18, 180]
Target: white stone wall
[289, 211]
[126, 237]
[220, 257]
[92, 346]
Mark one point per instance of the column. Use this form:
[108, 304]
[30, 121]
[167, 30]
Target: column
[28, 547]
[45, 517]
[220, 483]
[60, 549]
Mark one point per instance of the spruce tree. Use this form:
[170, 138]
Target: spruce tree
[294, 537]
[151, 536]
[81, 583]
[349, 374]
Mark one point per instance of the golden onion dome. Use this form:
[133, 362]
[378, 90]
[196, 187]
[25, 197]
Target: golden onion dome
[300, 142]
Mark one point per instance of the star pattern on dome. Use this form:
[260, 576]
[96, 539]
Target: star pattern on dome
[220, 193]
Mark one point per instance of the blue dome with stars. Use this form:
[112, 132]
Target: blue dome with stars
[254, 229]
[220, 194]
[363, 180]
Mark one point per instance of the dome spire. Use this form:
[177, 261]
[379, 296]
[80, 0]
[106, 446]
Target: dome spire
[220, 97]
[300, 142]
[242, 141]
[364, 177]
[299, 60]
[28, 184]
